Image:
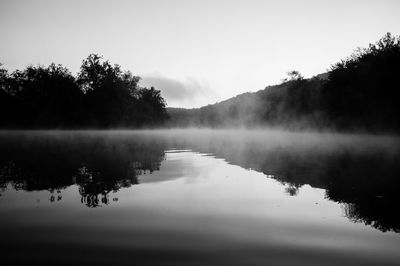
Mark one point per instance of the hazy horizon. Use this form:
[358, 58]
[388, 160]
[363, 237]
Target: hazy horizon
[196, 53]
[97, 169]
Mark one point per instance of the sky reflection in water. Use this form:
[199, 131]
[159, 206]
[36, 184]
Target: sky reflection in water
[215, 198]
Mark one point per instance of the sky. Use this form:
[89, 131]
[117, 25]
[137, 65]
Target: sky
[195, 52]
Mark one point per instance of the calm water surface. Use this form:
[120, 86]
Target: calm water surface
[199, 197]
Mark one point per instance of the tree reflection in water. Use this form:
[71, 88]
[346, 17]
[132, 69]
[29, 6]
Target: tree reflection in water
[98, 165]
[365, 181]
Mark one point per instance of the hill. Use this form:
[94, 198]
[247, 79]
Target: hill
[358, 93]
[269, 106]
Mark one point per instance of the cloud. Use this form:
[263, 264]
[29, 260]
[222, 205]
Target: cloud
[188, 93]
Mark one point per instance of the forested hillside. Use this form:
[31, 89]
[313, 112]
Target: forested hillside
[358, 93]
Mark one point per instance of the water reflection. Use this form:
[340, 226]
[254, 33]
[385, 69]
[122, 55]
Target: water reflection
[97, 164]
[366, 182]
[362, 172]
[362, 175]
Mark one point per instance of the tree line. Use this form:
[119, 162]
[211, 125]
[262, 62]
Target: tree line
[101, 95]
[360, 92]
[357, 93]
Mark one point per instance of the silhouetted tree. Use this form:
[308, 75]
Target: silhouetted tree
[152, 106]
[114, 97]
[101, 96]
[106, 96]
[363, 89]
[293, 75]
[42, 97]
[5, 98]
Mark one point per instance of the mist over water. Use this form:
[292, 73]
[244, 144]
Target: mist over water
[215, 197]
[212, 133]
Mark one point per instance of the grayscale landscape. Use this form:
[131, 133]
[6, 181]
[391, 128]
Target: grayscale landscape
[232, 133]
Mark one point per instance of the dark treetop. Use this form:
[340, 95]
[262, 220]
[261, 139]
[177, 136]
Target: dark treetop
[101, 96]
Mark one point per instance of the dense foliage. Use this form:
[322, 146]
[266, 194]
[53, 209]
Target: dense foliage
[363, 90]
[101, 96]
[358, 93]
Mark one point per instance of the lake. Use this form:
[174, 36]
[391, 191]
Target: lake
[199, 197]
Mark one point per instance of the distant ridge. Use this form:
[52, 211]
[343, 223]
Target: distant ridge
[359, 93]
[174, 110]
[246, 103]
